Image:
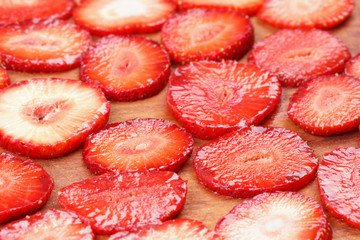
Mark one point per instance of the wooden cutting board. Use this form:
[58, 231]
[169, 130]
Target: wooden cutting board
[202, 204]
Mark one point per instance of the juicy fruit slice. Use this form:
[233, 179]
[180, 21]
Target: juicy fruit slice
[282, 215]
[207, 35]
[338, 179]
[24, 187]
[248, 7]
[138, 145]
[49, 117]
[4, 78]
[297, 55]
[255, 160]
[115, 202]
[305, 13]
[45, 46]
[212, 98]
[326, 105]
[103, 17]
[352, 67]
[52, 224]
[180, 229]
[139, 67]
[20, 10]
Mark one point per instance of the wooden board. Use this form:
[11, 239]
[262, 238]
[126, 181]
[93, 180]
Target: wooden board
[202, 204]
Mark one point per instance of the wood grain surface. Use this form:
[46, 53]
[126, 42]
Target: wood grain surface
[201, 203]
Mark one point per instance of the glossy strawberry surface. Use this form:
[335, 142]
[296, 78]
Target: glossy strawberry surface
[352, 67]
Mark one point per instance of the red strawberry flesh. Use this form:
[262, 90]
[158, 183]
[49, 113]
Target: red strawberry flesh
[352, 67]
[4, 78]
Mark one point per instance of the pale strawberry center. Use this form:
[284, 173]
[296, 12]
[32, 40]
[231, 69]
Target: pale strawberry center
[206, 32]
[224, 94]
[21, 3]
[258, 156]
[274, 226]
[304, 7]
[114, 10]
[328, 99]
[303, 54]
[45, 113]
[124, 64]
[137, 146]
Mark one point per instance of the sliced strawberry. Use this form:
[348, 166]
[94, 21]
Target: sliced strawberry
[179, 229]
[327, 105]
[338, 179]
[297, 55]
[103, 17]
[20, 10]
[254, 160]
[24, 187]
[207, 35]
[139, 67]
[352, 67]
[248, 7]
[305, 13]
[212, 98]
[53, 224]
[115, 202]
[45, 46]
[281, 215]
[137, 145]
[46, 118]
[4, 78]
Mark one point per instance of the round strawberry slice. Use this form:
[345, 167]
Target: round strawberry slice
[103, 17]
[254, 160]
[45, 46]
[282, 215]
[352, 67]
[180, 229]
[207, 35]
[212, 98]
[53, 224]
[326, 105]
[24, 187]
[338, 179]
[139, 67]
[305, 13]
[137, 145]
[46, 118]
[4, 78]
[297, 55]
[20, 10]
[248, 7]
[115, 202]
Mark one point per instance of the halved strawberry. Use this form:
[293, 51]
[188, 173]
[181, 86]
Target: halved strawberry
[248, 7]
[137, 145]
[297, 55]
[4, 78]
[103, 17]
[126, 201]
[207, 35]
[19, 10]
[327, 105]
[24, 187]
[42, 46]
[137, 69]
[46, 118]
[212, 98]
[338, 179]
[281, 215]
[53, 224]
[305, 13]
[179, 229]
[254, 160]
[352, 67]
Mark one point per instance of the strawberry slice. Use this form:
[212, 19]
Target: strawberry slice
[180, 229]
[115, 202]
[24, 187]
[4, 78]
[297, 55]
[139, 67]
[282, 215]
[53, 224]
[19, 10]
[338, 179]
[138, 145]
[305, 14]
[212, 98]
[103, 17]
[49, 117]
[207, 35]
[45, 46]
[248, 7]
[352, 67]
[254, 160]
[326, 105]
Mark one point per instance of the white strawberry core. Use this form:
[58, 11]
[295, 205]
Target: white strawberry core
[304, 7]
[122, 9]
